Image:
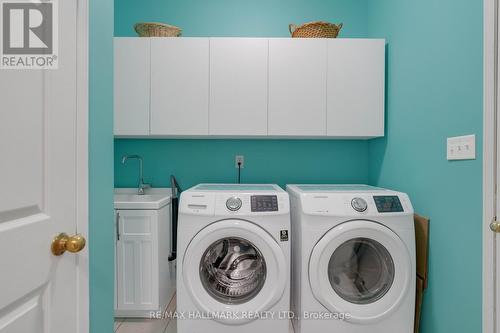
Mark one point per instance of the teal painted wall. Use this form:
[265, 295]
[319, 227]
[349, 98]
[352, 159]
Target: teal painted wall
[274, 161]
[257, 18]
[435, 91]
[101, 235]
[270, 160]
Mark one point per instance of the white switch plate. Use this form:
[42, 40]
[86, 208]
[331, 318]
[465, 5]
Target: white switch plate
[461, 148]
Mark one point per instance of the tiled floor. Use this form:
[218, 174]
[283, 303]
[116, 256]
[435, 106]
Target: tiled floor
[139, 325]
[151, 325]
[145, 326]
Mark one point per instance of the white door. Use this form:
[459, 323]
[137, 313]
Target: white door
[356, 85]
[238, 86]
[491, 181]
[297, 87]
[43, 177]
[375, 256]
[132, 84]
[234, 266]
[492, 212]
[179, 86]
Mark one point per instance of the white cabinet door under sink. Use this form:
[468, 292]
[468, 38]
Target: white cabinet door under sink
[135, 257]
[238, 86]
[145, 279]
[132, 85]
[179, 86]
[297, 87]
[356, 85]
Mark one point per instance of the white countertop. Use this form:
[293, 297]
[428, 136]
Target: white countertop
[153, 198]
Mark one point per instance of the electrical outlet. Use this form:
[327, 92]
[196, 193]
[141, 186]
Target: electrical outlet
[461, 148]
[239, 159]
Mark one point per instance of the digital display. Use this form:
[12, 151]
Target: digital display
[264, 203]
[388, 204]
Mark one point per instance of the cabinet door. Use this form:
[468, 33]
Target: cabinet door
[356, 82]
[179, 86]
[297, 87]
[132, 78]
[238, 86]
[137, 260]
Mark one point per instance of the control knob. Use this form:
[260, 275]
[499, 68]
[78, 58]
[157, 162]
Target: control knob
[233, 204]
[359, 204]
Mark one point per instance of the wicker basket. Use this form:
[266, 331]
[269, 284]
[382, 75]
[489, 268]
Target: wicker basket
[317, 29]
[153, 29]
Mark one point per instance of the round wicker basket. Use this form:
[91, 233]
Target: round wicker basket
[316, 29]
[154, 29]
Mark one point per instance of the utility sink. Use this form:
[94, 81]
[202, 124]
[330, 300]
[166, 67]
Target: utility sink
[154, 198]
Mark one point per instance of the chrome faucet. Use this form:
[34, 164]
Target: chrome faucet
[141, 186]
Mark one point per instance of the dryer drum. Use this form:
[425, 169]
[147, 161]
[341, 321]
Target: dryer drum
[233, 270]
[361, 271]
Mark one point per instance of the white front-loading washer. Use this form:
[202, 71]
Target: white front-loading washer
[233, 270]
[353, 259]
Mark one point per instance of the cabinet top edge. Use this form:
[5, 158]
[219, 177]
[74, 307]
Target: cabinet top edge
[261, 38]
[250, 137]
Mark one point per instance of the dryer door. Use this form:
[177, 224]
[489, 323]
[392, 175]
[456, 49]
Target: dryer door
[360, 268]
[233, 269]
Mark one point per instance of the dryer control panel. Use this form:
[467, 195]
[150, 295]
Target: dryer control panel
[356, 204]
[264, 203]
[388, 204]
[230, 204]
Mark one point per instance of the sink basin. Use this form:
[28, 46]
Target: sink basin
[152, 199]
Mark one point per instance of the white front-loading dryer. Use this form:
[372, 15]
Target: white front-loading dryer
[353, 259]
[234, 259]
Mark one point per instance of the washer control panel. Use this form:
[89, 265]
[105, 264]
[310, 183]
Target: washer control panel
[264, 203]
[359, 204]
[233, 204]
[388, 204]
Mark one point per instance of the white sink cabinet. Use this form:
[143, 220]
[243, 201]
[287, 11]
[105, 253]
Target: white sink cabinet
[144, 278]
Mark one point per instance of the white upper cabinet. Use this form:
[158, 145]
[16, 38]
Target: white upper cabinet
[356, 84]
[250, 87]
[238, 86]
[297, 87]
[132, 88]
[179, 86]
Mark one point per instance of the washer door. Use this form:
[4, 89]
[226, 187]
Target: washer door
[234, 266]
[361, 268]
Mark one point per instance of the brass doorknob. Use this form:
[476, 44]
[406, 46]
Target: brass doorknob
[63, 243]
[495, 227]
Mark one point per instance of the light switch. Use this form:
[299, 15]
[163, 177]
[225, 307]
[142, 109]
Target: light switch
[461, 148]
